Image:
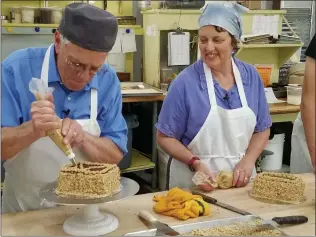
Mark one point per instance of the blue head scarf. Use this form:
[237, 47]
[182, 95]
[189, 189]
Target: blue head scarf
[225, 15]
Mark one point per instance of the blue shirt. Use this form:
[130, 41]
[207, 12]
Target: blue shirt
[187, 104]
[19, 68]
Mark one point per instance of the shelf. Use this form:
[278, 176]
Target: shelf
[139, 162]
[252, 46]
[138, 29]
[199, 11]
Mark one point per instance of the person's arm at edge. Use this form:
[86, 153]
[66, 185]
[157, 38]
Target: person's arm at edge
[308, 106]
[14, 137]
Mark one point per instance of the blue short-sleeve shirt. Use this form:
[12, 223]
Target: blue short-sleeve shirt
[187, 104]
[19, 68]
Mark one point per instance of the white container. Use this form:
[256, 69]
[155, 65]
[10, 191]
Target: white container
[28, 14]
[294, 95]
[274, 162]
[16, 15]
[57, 15]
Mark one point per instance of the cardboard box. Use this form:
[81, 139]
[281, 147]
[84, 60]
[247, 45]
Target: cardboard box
[251, 4]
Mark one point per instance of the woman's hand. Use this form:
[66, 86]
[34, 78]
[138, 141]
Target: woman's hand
[200, 166]
[243, 172]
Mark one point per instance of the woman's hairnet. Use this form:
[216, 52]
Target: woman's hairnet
[226, 15]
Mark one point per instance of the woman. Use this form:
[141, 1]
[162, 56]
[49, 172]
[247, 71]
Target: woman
[215, 116]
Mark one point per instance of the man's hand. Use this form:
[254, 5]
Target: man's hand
[43, 116]
[200, 166]
[72, 132]
[243, 172]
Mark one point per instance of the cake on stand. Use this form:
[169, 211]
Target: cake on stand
[90, 222]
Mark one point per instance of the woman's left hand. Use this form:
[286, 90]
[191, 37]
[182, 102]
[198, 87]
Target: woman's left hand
[243, 172]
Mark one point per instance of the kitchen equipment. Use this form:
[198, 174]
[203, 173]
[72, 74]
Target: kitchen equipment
[274, 162]
[126, 20]
[220, 204]
[90, 222]
[46, 15]
[4, 19]
[279, 90]
[28, 14]
[165, 78]
[144, 5]
[185, 4]
[57, 15]
[294, 94]
[183, 228]
[139, 89]
[248, 220]
[16, 15]
[162, 228]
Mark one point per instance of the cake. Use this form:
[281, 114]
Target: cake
[281, 187]
[88, 180]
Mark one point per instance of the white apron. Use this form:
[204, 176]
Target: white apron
[300, 157]
[223, 138]
[40, 163]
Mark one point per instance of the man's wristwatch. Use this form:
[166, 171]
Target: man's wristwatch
[190, 164]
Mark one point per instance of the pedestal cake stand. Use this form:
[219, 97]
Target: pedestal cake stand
[90, 222]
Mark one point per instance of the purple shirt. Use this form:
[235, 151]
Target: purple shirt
[187, 104]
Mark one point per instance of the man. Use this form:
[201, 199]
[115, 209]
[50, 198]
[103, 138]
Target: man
[303, 137]
[87, 97]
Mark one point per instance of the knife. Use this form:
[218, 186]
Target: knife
[162, 228]
[220, 204]
[285, 220]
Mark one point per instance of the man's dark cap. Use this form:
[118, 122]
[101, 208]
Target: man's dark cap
[89, 27]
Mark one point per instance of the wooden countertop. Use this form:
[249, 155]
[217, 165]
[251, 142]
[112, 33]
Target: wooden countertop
[49, 222]
[279, 108]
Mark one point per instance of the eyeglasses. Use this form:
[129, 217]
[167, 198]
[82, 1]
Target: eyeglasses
[80, 68]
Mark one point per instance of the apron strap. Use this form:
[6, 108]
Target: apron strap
[210, 86]
[240, 87]
[45, 66]
[94, 104]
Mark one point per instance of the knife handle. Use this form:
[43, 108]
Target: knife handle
[288, 220]
[147, 216]
[205, 197]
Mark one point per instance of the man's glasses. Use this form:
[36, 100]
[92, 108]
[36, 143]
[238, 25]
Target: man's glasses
[80, 68]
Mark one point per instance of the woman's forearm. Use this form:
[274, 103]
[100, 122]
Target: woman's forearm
[174, 148]
[257, 144]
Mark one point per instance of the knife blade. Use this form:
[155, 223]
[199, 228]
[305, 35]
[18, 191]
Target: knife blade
[162, 228]
[221, 204]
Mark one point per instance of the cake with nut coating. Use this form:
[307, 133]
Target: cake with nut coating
[88, 180]
[281, 187]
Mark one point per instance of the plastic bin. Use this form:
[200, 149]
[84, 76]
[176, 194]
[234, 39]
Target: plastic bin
[132, 122]
[274, 162]
[294, 95]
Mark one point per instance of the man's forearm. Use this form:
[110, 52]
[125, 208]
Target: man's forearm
[101, 149]
[257, 144]
[15, 139]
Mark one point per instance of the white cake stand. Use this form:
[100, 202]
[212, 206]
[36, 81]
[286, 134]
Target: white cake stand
[90, 222]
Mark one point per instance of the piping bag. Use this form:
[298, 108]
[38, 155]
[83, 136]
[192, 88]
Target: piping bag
[40, 91]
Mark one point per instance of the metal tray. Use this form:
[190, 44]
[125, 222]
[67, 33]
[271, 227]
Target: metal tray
[209, 224]
[130, 89]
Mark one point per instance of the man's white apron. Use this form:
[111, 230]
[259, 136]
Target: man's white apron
[40, 163]
[223, 138]
[300, 157]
